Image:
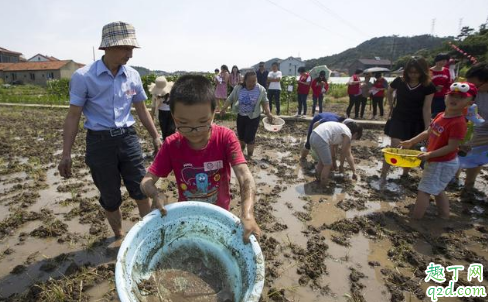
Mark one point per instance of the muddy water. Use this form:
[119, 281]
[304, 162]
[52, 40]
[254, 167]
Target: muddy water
[188, 275]
[381, 259]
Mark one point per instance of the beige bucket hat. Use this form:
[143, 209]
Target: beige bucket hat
[161, 86]
[118, 34]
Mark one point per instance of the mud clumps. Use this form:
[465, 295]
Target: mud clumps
[278, 227]
[19, 269]
[69, 288]
[349, 204]
[303, 216]
[356, 286]
[74, 187]
[15, 220]
[271, 249]
[397, 283]
[50, 265]
[55, 228]
[311, 261]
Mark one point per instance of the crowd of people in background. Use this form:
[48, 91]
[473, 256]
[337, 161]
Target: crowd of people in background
[423, 105]
[420, 102]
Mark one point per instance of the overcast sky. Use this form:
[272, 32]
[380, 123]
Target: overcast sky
[202, 35]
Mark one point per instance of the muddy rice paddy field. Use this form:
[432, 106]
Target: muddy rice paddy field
[351, 242]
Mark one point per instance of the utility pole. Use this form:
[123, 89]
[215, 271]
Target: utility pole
[93, 53]
[432, 28]
[461, 24]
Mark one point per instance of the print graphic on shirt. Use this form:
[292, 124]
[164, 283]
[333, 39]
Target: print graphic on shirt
[201, 183]
[248, 101]
[440, 76]
[437, 129]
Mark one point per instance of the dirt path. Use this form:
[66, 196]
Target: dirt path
[348, 243]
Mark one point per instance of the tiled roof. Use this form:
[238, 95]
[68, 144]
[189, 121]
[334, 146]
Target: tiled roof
[9, 51]
[26, 66]
[5, 65]
[374, 62]
[50, 58]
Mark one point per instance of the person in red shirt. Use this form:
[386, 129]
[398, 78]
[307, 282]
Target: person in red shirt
[354, 92]
[303, 89]
[378, 93]
[441, 77]
[319, 89]
[445, 133]
[201, 155]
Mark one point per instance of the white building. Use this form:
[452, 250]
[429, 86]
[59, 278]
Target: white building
[289, 66]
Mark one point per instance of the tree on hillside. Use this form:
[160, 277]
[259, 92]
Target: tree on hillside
[466, 31]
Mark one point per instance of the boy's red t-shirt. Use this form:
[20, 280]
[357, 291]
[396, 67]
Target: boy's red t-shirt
[441, 130]
[201, 175]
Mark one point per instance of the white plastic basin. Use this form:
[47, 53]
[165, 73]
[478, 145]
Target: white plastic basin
[206, 231]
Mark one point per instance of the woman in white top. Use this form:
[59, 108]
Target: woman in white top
[325, 139]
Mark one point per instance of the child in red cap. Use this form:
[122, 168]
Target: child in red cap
[445, 133]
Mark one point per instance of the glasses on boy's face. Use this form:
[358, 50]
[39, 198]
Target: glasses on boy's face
[188, 129]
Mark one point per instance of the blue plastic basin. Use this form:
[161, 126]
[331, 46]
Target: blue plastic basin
[212, 231]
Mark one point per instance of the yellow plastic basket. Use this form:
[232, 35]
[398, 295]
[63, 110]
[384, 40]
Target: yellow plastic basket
[402, 157]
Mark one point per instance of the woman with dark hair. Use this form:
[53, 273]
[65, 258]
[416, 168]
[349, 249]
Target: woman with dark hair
[354, 91]
[303, 90]
[235, 77]
[247, 100]
[319, 89]
[441, 78]
[221, 82]
[411, 114]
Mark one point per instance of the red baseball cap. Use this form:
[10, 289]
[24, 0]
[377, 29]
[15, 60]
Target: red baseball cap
[464, 89]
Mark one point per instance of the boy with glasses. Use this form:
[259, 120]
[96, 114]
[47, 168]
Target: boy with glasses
[201, 154]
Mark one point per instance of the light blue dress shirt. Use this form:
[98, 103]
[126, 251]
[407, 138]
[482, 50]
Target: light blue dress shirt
[106, 99]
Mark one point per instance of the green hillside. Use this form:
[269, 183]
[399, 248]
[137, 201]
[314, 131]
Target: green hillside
[391, 48]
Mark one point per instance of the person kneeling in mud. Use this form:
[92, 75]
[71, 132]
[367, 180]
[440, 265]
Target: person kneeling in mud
[201, 155]
[325, 139]
[321, 118]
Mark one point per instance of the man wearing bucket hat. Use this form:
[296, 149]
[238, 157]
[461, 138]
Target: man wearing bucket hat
[104, 92]
[160, 100]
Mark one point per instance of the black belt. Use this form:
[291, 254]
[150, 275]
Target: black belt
[113, 132]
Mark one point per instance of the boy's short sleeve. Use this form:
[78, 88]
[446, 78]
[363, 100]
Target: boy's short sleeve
[458, 130]
[233, 150]
[161, 166]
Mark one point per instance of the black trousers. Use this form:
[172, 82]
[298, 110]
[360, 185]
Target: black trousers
[354, 100]
[378, 102]
[166, 123]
